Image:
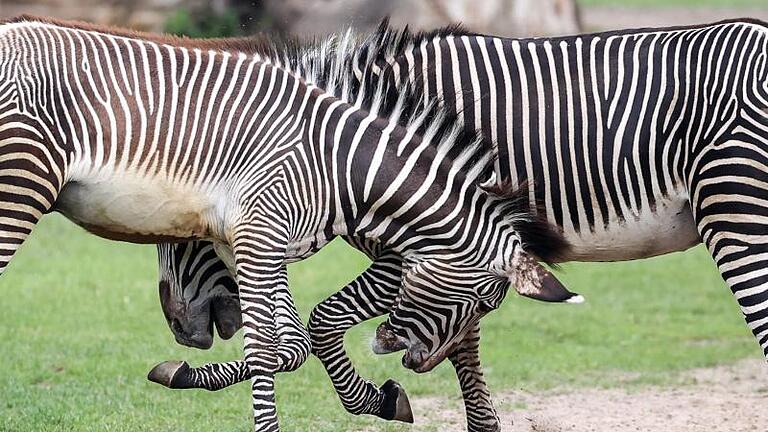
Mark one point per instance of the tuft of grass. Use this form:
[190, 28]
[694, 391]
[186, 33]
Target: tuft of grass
[80, 327]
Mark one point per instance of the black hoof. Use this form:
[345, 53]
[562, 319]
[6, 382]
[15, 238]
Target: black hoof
[171, 374]
[396, 405]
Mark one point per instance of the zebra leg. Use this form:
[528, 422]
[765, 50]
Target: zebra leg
[481, 416]
[729, 190]
[30, 176]
[210, 376]
[292, 350]
[259, 251]
[370, 295]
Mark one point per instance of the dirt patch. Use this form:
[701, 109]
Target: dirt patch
[724, 399]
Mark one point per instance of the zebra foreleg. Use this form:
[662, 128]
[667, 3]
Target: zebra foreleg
[370, 295]
[31, 177]
[210, 376]
[293, 348]
[481, 415]
[259, 250]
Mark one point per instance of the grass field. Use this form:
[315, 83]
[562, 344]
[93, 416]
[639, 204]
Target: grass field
[80, 326]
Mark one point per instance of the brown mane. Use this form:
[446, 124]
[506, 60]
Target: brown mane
[256, 44]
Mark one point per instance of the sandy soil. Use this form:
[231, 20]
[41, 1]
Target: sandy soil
[724, 399]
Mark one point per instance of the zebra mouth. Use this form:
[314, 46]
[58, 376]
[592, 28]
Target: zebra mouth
[225, 314]
[195, 338]
[419, 359]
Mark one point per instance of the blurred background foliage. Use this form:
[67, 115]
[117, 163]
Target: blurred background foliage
[208, 24]
[222, 18]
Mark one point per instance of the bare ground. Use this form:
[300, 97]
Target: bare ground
[730, 398]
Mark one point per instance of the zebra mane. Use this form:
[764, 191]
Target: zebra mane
[348, 66]
[540, 238]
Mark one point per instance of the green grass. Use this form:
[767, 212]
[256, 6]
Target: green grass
[80, 326]
[667, 3]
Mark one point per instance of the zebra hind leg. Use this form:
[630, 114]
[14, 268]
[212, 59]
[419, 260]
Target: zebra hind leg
[729, 192]
[481, 415]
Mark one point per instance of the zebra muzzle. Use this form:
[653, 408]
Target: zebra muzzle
[417, 358]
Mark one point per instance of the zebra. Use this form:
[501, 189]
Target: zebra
[154, 139]
[189, 269]
[634, 143]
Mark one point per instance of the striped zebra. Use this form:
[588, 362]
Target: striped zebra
[191, 286]
[153, 139]
[635, 143]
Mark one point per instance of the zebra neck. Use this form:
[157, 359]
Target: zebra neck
[392, 186]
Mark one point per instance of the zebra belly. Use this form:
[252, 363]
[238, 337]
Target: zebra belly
[669, 227]
[137, 211]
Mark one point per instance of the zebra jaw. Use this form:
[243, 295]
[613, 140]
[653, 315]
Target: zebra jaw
[417, 357]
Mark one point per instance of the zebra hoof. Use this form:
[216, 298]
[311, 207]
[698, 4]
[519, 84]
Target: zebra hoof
[171, 374]
[396, 405]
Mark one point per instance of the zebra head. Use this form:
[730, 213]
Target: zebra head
[442, 298]
[197, 292]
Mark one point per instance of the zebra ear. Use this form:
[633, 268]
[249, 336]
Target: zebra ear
[531, 279]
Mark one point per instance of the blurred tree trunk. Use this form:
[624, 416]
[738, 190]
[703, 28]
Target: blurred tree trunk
[496, 17]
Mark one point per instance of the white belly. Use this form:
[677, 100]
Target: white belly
[669, 228]
[132, 208]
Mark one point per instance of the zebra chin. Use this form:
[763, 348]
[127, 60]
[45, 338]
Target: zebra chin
[417, 356]
[199, 340]
[226, 316]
